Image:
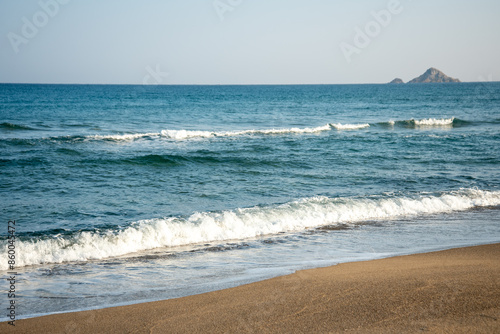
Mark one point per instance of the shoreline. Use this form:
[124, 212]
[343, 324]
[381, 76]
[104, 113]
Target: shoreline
[454, 290]
[146, 301]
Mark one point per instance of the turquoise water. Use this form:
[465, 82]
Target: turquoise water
[124, 194]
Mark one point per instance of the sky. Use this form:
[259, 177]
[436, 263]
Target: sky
[246, 41]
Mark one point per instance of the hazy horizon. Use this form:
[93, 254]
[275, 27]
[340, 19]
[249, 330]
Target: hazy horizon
[238, 42]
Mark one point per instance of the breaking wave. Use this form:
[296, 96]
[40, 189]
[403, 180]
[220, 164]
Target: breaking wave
[339, 126]
[426, 122]
[186, 134]
[434, 121]
[240, 223]
[180, 135]
[190, 134]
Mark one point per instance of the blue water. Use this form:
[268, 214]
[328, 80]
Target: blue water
[124, 194]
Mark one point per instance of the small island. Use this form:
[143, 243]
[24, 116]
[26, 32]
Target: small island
[397, 81]
[432, 75]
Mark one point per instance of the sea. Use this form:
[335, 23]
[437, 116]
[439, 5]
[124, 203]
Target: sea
[124, 194]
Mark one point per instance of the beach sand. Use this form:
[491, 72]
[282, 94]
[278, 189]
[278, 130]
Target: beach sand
[451, 291]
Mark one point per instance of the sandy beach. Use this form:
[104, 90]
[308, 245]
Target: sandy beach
[451, 291]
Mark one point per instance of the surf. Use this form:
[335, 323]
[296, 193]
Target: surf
[242, 223]
[177, 135]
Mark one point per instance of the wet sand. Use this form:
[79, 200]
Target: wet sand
[452, 291]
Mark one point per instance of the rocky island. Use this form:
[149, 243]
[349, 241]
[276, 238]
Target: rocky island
[432, 75]
[397, 81]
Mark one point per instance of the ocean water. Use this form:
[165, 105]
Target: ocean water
[125, 194]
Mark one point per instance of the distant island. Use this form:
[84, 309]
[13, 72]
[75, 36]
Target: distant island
[432, 75]
[397, 81]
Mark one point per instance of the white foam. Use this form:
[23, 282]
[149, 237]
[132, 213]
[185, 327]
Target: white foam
[185, 134]
[435, 122]
[124, 137]
[240, 224]
[293, 130]
[179, 135]
[339, 126]
[188, 134]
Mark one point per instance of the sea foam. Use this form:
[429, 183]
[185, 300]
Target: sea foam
[184, 134]
[122, 137]
[435, 122]
[339, 126]
[241, 223]
[189, 134]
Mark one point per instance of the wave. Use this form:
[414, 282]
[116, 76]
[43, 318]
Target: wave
[11, 126]
[185, 134]
[121, 137]
[175, 160]
[425, 122]
[339, 126]
[165, 160]
[434, 121]
[241, 223]
[179, 135]
[189, 134]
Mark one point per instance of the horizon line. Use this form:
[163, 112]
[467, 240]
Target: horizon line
[235, 84]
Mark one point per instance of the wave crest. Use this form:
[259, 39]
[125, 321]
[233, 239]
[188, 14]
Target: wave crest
[179, 135]
[339, 126]
[11, 126]
[241, 223]
[434, 122]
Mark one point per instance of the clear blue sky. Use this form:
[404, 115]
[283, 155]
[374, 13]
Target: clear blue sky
[246, 41]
